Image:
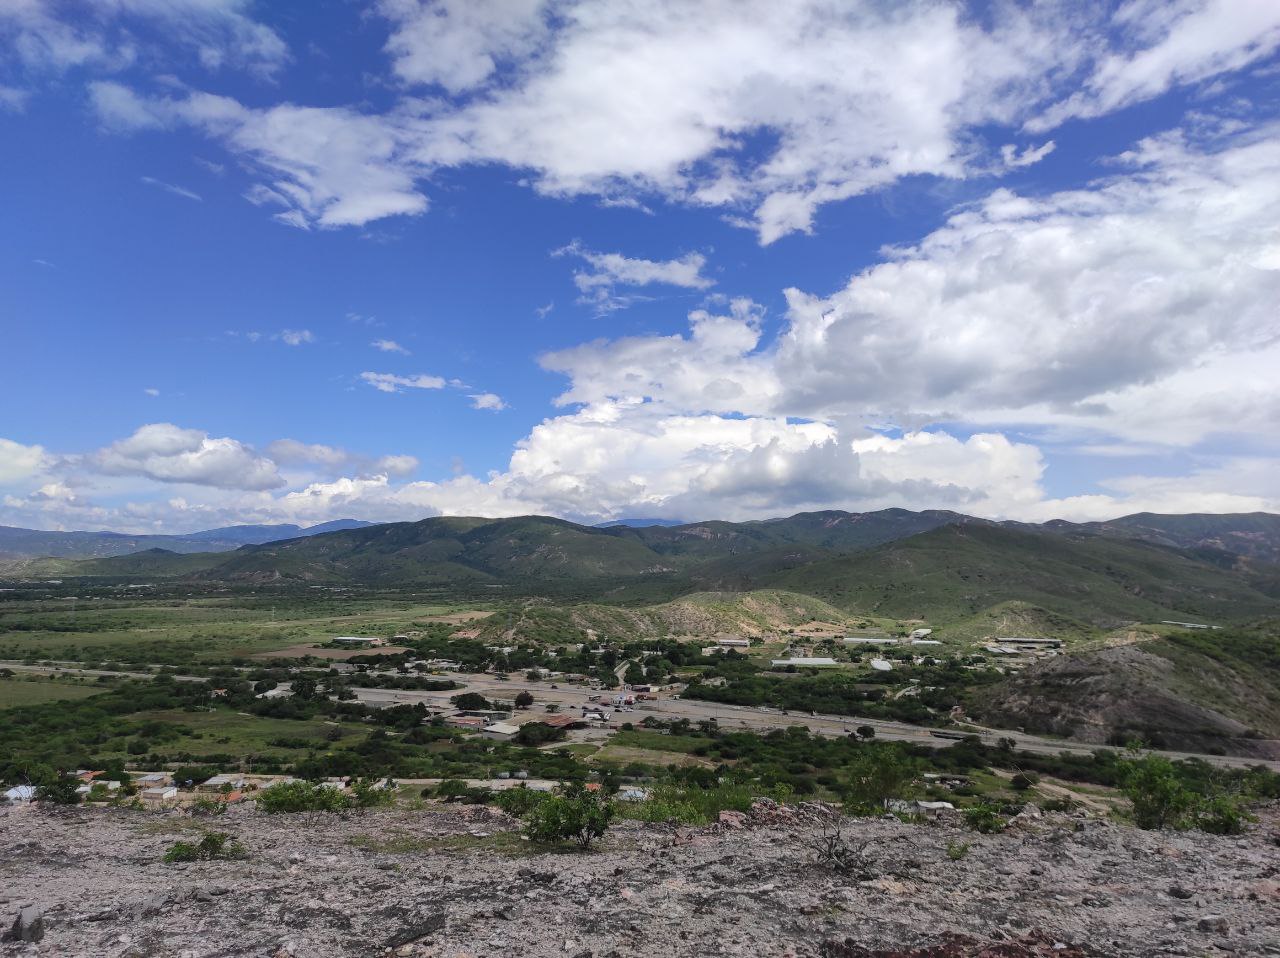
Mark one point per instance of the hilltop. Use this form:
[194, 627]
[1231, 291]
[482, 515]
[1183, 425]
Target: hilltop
[448, 882]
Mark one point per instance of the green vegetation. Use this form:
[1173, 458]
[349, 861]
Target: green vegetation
[213, 845]
[578, 815]
[1163, 796]
[15, 692]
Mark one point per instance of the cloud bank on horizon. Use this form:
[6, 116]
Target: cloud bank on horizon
[1020, 261]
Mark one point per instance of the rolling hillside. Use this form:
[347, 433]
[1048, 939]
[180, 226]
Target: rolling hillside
[18, 543]
[956, 572]
[943, 567]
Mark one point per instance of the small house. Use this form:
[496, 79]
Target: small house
[160, 794]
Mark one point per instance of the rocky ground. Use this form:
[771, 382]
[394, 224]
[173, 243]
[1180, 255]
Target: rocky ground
[454, 882]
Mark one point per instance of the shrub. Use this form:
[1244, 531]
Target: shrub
[518, 802]
[985, 818]
[207, 806]
[1222, 815]
[213, 845]
[578, 816]
[523, 700]
[957, 850]
[1157, 792]
[60, 789]
[876, 775]
[1024, 780]
[302, 797]
[533, 734]
[372, 792]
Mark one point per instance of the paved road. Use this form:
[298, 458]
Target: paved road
[755, 719]
[668, 708]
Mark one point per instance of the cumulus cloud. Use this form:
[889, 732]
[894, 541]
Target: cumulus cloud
[391, 383]
[491, 401]
[389, 346]
[19, 462]
[166, 453]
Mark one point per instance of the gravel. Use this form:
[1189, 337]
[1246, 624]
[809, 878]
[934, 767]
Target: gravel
[445, 881]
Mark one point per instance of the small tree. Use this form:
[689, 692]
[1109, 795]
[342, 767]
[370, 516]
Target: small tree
[866, 732]
[879, 773]
[578, 816]
[524, 699]
[60, 789]
[1159, 796]
[471, 702]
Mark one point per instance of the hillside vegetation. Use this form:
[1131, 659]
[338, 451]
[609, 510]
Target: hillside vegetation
[1191, 690]
[977, 577]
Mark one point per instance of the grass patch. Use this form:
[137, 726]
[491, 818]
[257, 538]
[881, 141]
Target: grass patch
[509, 844]
[658, 741]
[15, 692]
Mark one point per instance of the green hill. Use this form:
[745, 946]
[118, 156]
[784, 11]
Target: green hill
[956, 572]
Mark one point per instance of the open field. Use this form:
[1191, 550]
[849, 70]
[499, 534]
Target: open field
[209, 630]
[335, 655]
[15, 693]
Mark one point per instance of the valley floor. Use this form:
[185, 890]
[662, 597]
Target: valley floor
[445, 881]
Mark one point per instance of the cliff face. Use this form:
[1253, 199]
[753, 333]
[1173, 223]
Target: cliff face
[447, 882]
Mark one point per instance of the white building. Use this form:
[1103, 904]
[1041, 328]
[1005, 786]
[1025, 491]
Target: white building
[921, 633]
[805, 662]
[882, 665]
[160, 794]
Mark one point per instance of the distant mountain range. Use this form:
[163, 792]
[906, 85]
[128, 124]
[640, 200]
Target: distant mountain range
[934, 564]
[33, 543]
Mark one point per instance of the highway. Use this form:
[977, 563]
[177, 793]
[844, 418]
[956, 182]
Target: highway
[571, 698]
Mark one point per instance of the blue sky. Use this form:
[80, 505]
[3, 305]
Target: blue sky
[389, 260]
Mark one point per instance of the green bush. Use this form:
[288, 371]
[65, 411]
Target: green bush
[519, 802]
[372, 792]
[213, 845]
[985, 818]
[302, 797]
[1157, 792]
[1222, 815]
[874, 776]
[957, 850]
[1024, 780]
[577, 816]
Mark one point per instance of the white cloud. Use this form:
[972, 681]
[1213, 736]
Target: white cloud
[391, 383]
[610, 270]
[171, 188]
[53, 35]
[325, 166]
[1168, 43]
[458, 43]
[166, 453]
[19, 462]
[150, 391]
[491, 401]
[334, 460]
[296, 337]
[1028, 157]
[626, 101]
[12, 99]
[389, 346]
